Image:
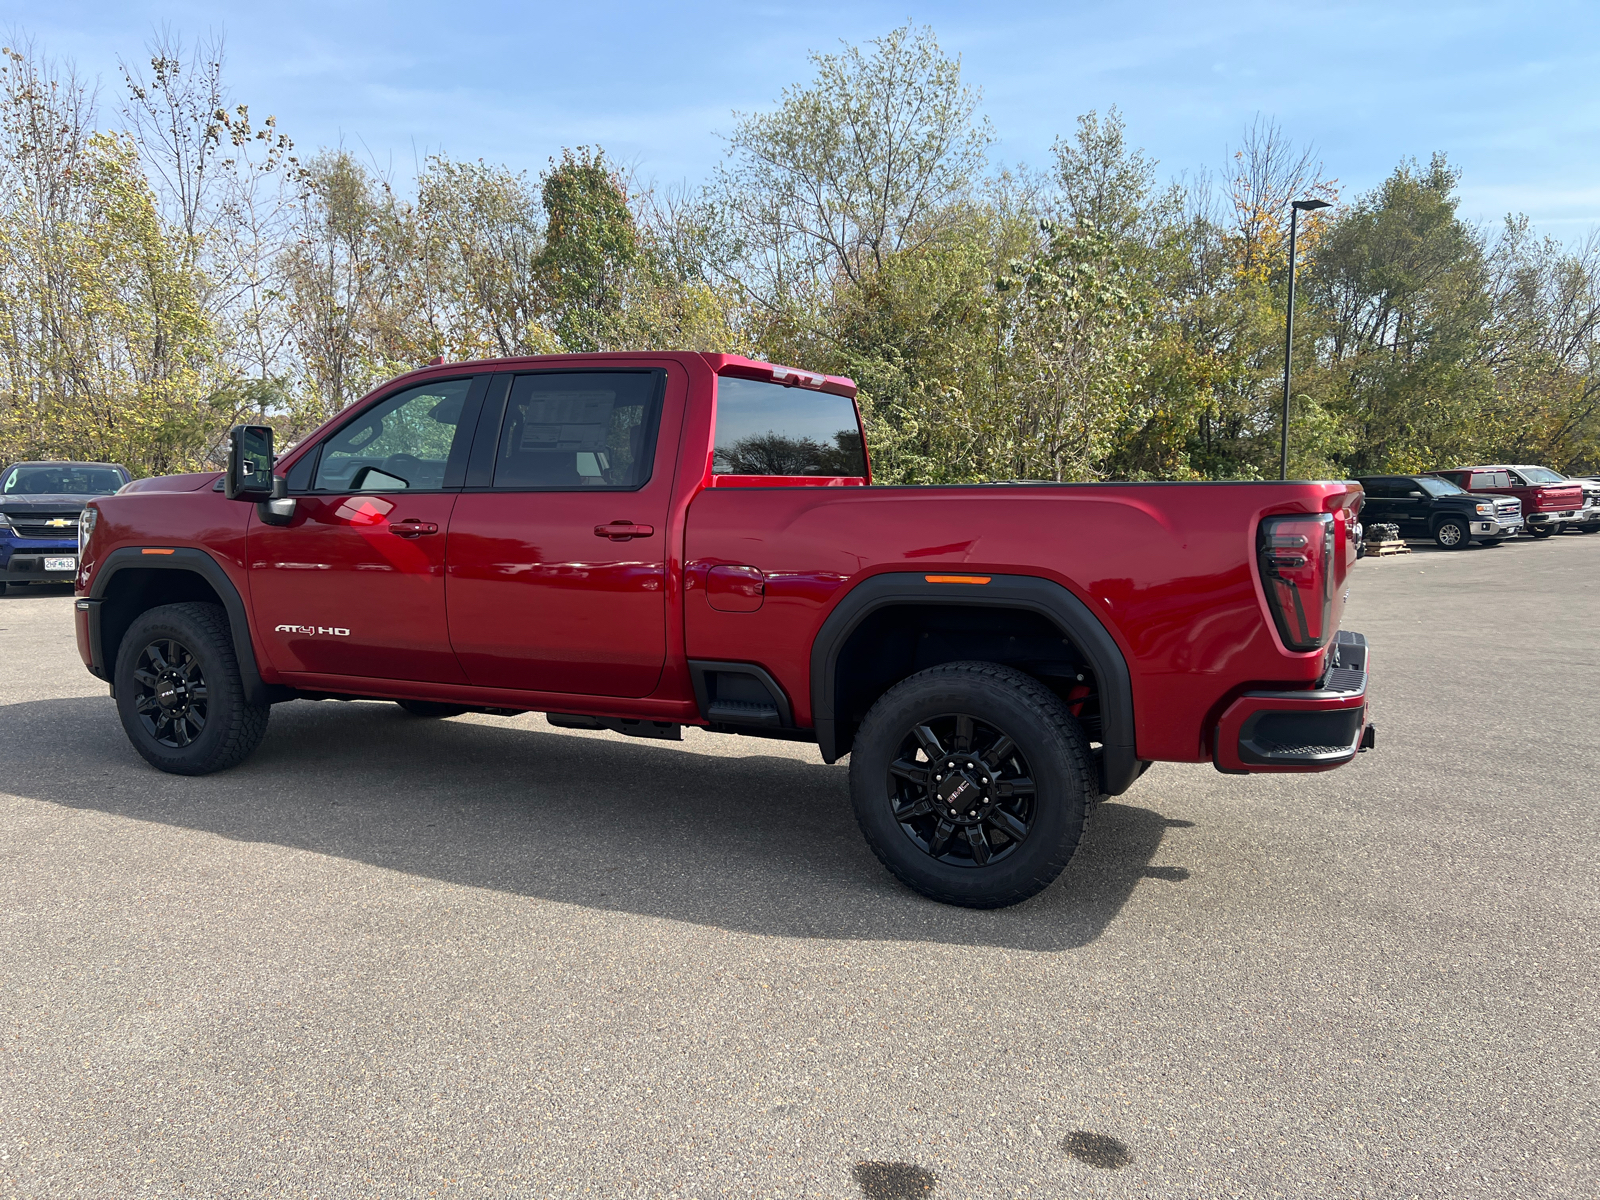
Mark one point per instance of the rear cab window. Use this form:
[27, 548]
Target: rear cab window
[769, 433]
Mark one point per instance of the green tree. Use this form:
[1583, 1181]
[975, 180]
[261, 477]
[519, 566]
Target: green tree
[591, 248]
[351, 325]
[866, 161]
[1399, 303]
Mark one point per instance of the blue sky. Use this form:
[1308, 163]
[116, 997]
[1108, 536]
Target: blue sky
[1507, 90]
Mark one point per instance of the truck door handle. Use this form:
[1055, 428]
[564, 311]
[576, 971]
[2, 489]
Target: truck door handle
[622, 531]
[411, 529]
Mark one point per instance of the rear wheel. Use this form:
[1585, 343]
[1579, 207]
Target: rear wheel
[972, 782]
[430, 708]
[179, 692]
[1453, 534]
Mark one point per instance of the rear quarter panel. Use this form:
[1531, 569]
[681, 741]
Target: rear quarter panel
[1169, 569]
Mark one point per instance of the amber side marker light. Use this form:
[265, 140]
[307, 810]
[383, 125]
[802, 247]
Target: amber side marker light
[957, 578]
[155, 552]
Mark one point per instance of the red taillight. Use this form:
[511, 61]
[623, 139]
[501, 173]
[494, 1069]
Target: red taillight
[1296, 555]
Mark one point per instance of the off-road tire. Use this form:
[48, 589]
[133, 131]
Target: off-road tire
[1045, 733]
[1462, 538]
[233, 727]
[431, 708]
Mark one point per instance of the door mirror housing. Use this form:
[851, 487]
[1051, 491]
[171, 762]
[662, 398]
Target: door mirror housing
[249, 475]
[1415, 495]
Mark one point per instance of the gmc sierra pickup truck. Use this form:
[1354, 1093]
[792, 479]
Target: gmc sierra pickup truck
[1549, 500]
[637, 542]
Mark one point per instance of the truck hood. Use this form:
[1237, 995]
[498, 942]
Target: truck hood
[192, 482]
[1500, 502]
[46, 503]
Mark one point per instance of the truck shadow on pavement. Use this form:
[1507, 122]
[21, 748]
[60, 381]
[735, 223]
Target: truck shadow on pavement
[762, 844]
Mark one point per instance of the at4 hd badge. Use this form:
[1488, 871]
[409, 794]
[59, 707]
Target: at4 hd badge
[313, 630]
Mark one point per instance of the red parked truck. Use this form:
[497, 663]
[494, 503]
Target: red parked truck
[1549, 500]
[643, 541]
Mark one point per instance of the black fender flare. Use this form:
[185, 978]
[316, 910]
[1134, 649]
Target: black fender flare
[196, 562]
[1119, 764]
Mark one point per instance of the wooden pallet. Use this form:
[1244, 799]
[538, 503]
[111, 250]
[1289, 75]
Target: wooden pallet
[1385, 549]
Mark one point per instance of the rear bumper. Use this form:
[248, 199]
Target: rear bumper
[1300, 731]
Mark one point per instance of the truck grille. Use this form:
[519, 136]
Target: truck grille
[38, 524]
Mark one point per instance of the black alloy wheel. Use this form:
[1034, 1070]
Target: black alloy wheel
[971, 781]
[180, 693]
[170, 693]
[962, 791]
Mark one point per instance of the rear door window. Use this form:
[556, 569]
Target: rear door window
[768, 429]
[579, 431]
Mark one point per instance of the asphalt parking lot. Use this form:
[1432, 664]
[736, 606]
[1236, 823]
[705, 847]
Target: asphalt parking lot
[480, 957]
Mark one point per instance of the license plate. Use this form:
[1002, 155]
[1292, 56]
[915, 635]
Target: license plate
[61, 564]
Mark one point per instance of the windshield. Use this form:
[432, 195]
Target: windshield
[1541, 475]
[1441, 487]
[64, 480]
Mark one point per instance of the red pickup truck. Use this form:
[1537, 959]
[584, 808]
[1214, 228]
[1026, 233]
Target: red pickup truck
[638, 542]
[1549, 500]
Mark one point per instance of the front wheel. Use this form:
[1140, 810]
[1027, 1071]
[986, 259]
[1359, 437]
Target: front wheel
[1543, 531]
[179, 692]
[972, 782]
[1453, 534]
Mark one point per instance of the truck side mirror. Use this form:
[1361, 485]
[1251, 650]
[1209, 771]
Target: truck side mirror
[249, 475]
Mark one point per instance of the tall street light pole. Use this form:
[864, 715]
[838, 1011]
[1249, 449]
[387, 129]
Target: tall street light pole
[1295, 209]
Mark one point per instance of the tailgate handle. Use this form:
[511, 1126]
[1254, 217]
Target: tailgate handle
[410, 529]
[622, 531]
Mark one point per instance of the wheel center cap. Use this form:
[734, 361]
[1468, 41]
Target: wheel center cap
[167, 693]
[961, 796]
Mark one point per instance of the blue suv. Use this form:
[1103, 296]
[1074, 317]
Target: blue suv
[39, 507]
